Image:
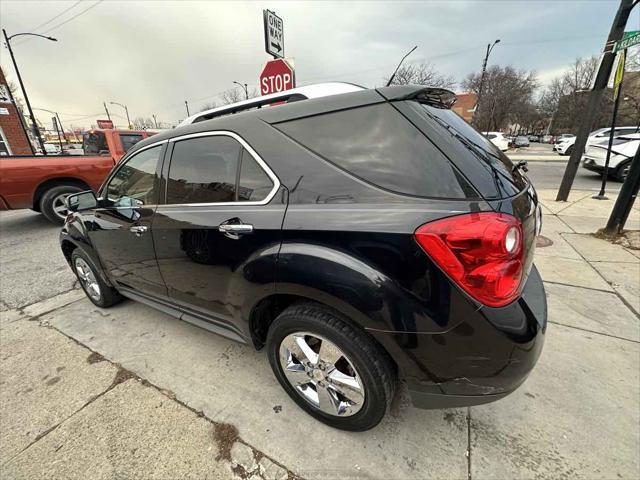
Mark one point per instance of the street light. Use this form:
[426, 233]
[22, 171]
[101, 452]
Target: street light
[125, 109]
[243, 86]
[484, 70]
[24, 91]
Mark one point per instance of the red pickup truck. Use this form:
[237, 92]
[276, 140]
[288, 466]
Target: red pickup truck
[41, 183]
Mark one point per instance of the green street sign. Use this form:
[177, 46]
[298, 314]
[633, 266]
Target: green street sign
[629, 39]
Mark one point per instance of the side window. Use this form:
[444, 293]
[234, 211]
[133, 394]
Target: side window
[377, 144]
[134, 183]
[128, 140]
[254, 184]
[203, 170]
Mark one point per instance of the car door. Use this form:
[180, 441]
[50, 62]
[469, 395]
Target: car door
[120, 230]
[217, 235]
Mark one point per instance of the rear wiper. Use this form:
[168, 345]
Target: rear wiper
[521, 165]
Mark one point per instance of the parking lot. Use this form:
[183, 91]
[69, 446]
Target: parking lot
[106, 389]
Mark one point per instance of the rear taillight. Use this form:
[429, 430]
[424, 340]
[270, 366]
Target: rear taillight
[481, 252]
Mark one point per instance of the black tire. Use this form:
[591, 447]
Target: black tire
[622, 171]
[108, 295]
[569, 150]
[371, 363]
[53, 195]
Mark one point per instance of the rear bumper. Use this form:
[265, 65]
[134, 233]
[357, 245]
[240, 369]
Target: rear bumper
[483, 359]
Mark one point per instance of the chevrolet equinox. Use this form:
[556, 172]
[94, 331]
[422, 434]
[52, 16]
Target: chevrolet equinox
[358, 237]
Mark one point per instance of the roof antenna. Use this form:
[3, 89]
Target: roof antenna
[398, 67]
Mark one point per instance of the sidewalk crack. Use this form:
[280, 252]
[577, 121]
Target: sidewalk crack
[469, 443]
[594, 332]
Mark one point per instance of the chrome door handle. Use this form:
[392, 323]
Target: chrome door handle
[138, 229]
[234, 230]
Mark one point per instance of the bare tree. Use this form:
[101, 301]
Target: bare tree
[13, 88]
[563, 99]
[208, 106]
[421, 74]
[141, 123]
[235, 95]
[507, 97]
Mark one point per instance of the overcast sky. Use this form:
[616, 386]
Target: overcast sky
[152, 55]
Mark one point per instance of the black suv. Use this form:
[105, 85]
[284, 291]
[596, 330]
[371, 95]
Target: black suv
[358, 237]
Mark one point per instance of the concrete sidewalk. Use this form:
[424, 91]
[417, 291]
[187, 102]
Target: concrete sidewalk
[131, 393]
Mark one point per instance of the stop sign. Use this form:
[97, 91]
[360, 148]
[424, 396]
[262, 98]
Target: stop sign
[277, 75]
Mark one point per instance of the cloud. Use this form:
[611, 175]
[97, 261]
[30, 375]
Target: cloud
[154, 55]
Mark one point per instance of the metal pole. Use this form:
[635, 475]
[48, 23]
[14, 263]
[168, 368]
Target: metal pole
[106, 110]
[605, 173]
[187, 105]
[62, 128]
[482, 75]
[55, 125]
[128, 121]
[24, 93]
[615, 34]
[155, 121]
[626, 197]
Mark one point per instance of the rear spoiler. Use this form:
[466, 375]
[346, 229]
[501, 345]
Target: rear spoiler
[435, 97]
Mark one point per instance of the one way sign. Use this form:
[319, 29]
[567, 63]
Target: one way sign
[273, 34]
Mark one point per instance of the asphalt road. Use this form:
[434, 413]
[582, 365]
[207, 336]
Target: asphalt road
[549, 175]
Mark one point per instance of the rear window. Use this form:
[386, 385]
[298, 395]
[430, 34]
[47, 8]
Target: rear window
[128, 140]
[378, 145]
[95, 143]
[466, 144]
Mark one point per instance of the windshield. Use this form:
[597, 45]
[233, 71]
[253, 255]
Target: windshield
[95, 143]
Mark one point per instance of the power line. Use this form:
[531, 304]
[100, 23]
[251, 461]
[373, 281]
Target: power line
[82, 12]
[57, 16]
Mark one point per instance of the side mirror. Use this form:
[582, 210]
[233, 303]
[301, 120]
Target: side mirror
[77, 202]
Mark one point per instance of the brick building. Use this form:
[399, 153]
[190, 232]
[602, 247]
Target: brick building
[465, 105]
[13, 140]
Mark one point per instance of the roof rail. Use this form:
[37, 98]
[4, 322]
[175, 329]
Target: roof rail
[295, 94]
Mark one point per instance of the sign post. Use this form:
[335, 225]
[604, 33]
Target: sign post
[629, 39]
[616, 95]
[277, 76]
[273, 34]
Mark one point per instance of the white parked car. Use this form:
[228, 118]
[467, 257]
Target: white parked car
[498, 139]
[74, 149]
[622, 151]
[565, 147]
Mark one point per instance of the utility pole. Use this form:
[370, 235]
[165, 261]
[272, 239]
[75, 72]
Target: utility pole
[602, 77]
[106, 110]
[187, 105]
[484, 71]
[155, 121]
[244, 87]
[24, 91]
[628, 194]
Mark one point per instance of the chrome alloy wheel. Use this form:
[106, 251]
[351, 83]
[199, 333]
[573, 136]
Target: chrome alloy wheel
[88, 279]
[322, 374]
[58, 205]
